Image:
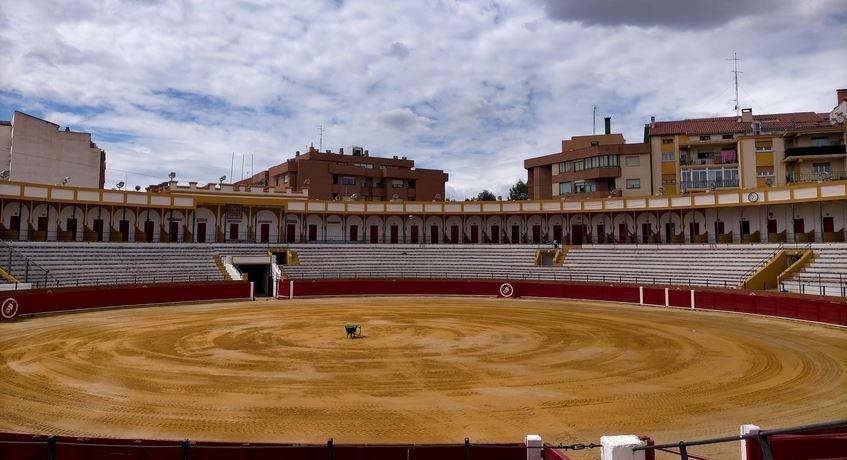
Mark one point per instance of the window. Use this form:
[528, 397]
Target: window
[633, 161]
[668, 181]
[585, 187]
[705, 138]
[578, 165]
[413, 184]
[633, 183]
[820, 141]
[764, 146]
[397, 183]
[565, 188]
[285, 178]
[348, 180]
[565, 166]
[727, 136]
[821, 168]
[377, 183]
[667, 141]
[667, 156]
[764, 171]
[364, 165]
[335, 178]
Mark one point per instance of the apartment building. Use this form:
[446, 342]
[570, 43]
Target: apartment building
[37, 151]
[353, 176]
[591, 166]
[748, 151]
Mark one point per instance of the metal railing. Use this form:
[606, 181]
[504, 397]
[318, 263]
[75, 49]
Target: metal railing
[834, 174]
[762, 436]
[746, 276]
[23, 269]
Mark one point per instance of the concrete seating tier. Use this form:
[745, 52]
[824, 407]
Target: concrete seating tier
[825, 275]
[72, 264]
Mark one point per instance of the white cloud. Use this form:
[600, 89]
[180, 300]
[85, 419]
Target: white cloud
[469, 87]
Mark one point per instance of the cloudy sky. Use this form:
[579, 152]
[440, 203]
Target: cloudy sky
[471, 87]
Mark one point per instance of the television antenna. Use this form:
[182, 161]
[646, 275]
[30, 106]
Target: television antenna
[735, 71]
[594, 120]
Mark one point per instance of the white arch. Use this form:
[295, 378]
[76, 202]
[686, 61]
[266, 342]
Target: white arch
[102, 213]
[292, 223]
[148, 215]
[269, 218]
[52, 215]
[203, 216]
[17, 209]
[376, 221]
[349, 222]
[435, 221]
[69, 212]
[317, 221]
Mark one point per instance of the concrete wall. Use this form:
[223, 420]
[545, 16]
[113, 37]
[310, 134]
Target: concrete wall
[40, 153]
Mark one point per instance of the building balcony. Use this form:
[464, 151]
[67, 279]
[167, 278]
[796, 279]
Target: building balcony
[817, 176]
[588, 174]
[708, 184]
[816, 150]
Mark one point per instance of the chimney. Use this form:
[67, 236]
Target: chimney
[608, 121]
[842, 95]
[652, 121]
[747, 115]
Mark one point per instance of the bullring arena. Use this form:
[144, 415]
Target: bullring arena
[229, 340]
[425, 370]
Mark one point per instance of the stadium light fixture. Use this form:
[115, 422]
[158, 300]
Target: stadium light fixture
[66, 180]
[120, 185]
[4, 174]
[172, 175]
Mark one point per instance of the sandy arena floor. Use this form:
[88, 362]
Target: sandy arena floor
[428, 370]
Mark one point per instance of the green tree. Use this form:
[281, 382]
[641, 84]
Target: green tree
[519, 191]
[485, 195]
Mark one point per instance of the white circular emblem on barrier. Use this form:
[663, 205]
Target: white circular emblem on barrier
[10, 308]
[506, 290]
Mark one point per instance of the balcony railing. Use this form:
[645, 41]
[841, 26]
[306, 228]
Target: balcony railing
[708, 184]
[817, 176]
[815, 150]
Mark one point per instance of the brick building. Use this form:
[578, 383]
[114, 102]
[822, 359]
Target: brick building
[353, 176]
[596, 165]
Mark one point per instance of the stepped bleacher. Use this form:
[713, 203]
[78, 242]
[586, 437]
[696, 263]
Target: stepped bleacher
[415, 261]
[72, 264]
[825, 275]
[697, 265]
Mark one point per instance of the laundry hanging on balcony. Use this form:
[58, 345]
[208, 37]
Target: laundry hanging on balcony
[728, 156]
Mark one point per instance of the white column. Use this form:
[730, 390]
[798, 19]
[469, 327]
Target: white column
[620, 447]
[291, 289]
[667, 298]
[747, 429]
[692, 299]
[641, 295]
[534, 446]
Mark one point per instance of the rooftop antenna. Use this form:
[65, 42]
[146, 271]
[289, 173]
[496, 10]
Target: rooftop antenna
[231, 164]
[735, 70]
[594, 121]
[321, 138]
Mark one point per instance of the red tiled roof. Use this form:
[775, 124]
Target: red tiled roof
[719, 125]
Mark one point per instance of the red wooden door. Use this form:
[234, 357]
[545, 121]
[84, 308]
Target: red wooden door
[264, 233]
[622, 233]
[557, 233]
[173, 231]
[646, 230]
[474, 234]
[576, 234]
[799, 226]
[233, 231]
[395, 234]
[354, 233]
[201, 232]
[42, 224]
[433, 234]
[693, 230]
[828, 224]
[71, 226]
[772, 226]
[601, 233]
[374, 234]
[413, 234]
[454, 234]
[123, 226]
[149, 232]
[516, 235]
[98, 229]
[313, 232]
[290, 233]
[719, 228]
[536, 234]
[495, 234]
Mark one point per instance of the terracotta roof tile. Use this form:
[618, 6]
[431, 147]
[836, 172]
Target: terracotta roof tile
[720, 125]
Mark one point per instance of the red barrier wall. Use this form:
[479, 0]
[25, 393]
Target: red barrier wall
[830, 310]
[825, 444]
[68, 448]
[33, 301]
